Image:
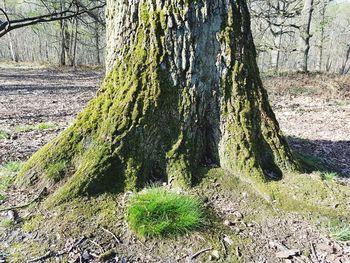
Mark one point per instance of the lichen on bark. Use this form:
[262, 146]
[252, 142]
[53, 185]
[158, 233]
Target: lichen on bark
[182, 91]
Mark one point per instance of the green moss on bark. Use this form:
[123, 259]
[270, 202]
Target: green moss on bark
[150, 122]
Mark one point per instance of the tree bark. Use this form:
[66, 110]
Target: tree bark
[305, 35]
[182, 91]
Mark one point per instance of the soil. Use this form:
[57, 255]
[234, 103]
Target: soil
[316, 123]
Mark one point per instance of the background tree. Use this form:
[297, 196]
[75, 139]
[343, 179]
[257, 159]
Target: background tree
[68, 38]
[305, 35]
[183, 91]
[277, 26]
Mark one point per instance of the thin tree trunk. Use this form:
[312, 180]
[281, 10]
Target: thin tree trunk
[322, 37]
[344, 70]
[97, 43]
[62, 36]
[74, 62]
[12, 46]
[305, 35]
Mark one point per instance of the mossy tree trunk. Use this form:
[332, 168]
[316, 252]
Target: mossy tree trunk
[182, 91]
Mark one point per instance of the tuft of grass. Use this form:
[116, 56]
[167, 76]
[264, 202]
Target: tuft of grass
[33, 224]
[341, 232]
[7, 171]
[157, 212]
[6, 223]
[25, 128]
[11, 167]
[40, 126]
[328, 176]
[4, 135]
[46, 125]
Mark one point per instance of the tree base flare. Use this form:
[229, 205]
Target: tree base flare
[183, 91]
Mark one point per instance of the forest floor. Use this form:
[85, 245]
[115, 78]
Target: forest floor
[37, 103]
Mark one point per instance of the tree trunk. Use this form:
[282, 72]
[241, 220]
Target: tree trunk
[63, 42]
[305, 35]
[62, 36]
[12, 45]
[75, 39]
[97, 43]
[183, 91]
[322, 36]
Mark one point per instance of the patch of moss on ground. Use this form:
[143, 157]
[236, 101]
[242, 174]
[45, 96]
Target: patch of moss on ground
[23, 251]
[33, 224]
[4, 135]
[7, 172]
[39, 126]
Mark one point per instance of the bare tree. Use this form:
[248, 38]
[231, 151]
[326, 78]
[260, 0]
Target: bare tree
[305, 35]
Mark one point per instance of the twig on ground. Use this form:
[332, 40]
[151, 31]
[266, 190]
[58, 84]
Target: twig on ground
[224, 246]
[314, 251]
[75, 245]
[46, 256]
[97, 244]
[25, 205]
[200, 252]
[113, 235]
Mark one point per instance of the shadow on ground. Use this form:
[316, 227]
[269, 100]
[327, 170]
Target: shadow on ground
[333, 156]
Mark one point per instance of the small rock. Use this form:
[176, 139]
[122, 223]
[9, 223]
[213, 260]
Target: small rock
[86, 255]
[237, 230]
[12, 215]
[215, 254]
[228, 241]
[228, 223]
[238, 214]
[288, 253]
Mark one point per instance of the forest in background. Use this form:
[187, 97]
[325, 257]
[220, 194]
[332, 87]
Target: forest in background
[282, 30]
[79, 40]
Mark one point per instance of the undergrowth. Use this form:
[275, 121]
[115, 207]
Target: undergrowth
[158, 212]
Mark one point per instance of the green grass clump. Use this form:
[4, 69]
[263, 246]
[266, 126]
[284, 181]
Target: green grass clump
[46, 125]
[7, 171]
[157, 212]
[11, 167]
[40, 126]
[6, 223]
[328, 176]
[341, 232]
[4, 135]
